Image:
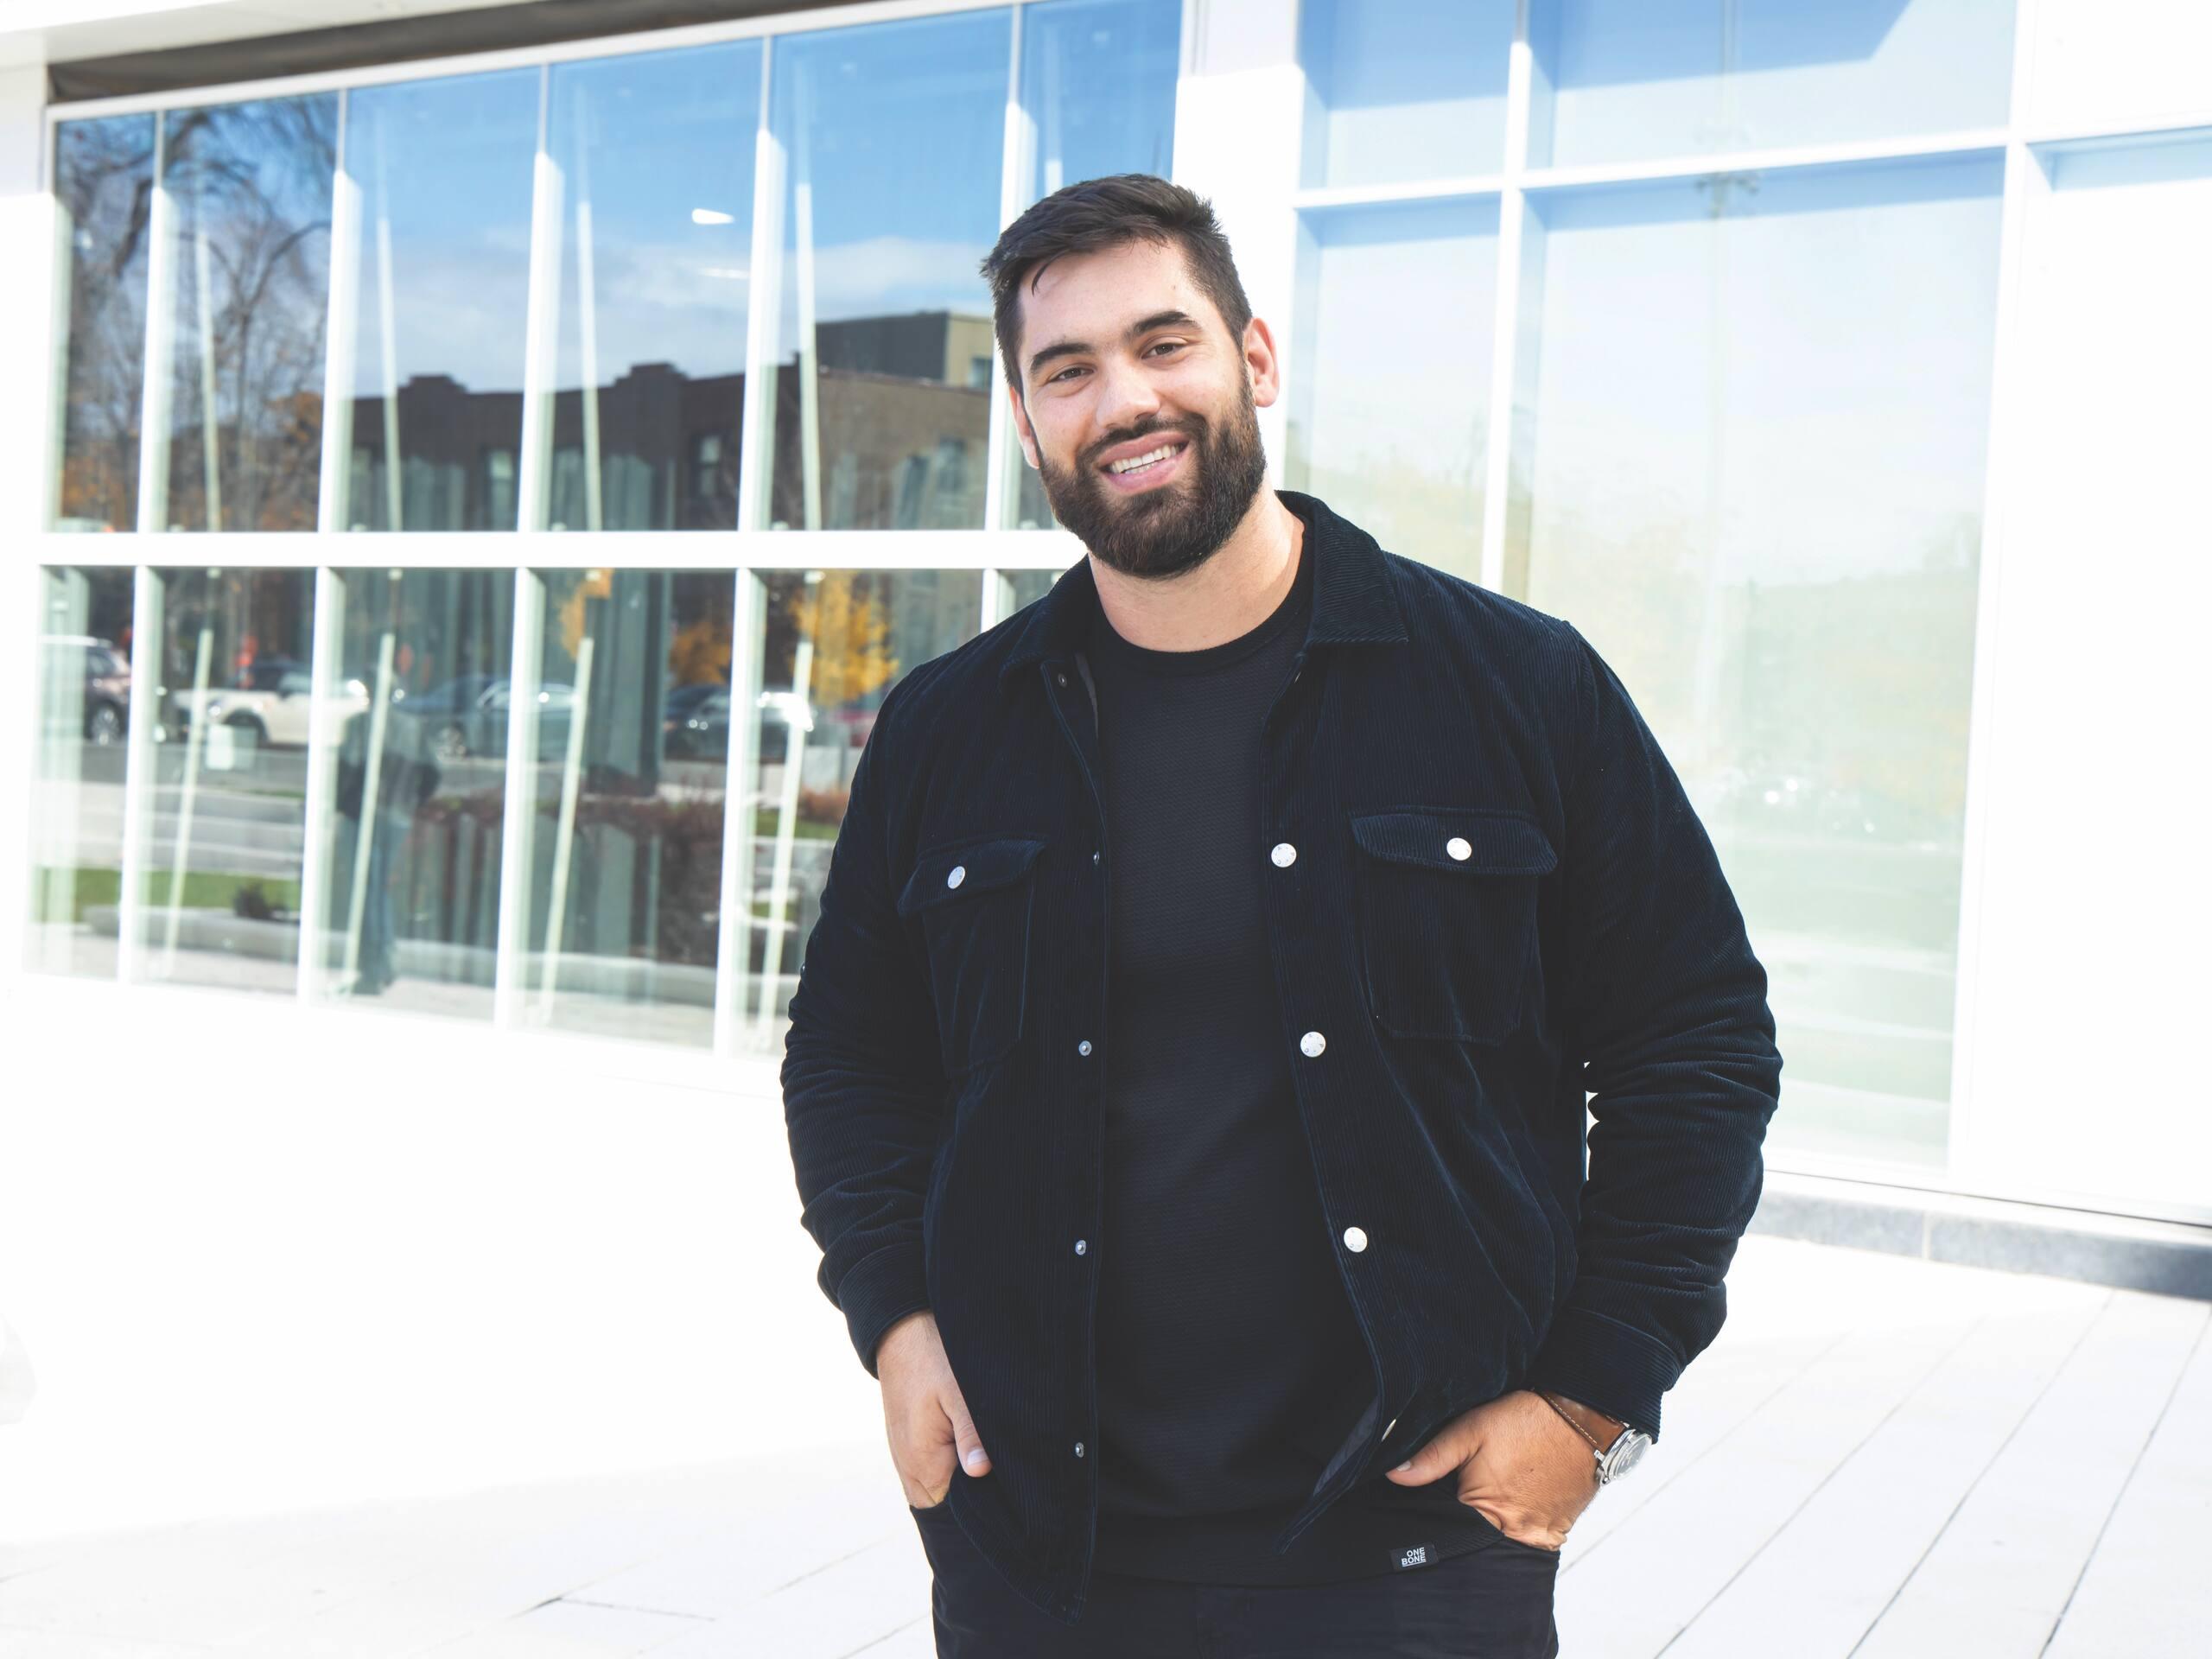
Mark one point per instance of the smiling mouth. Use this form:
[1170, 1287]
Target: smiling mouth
[1138, 466]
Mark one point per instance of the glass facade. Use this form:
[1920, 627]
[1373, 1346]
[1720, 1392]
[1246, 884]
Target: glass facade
[1684, 321]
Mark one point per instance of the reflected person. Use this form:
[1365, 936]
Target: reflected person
[406, 776]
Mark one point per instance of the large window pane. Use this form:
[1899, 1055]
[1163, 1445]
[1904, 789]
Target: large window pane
[418, 740]
[233, 721]
[1625, 80]
[442, 286]
[1759, 419]
[831, 645]
[84, 702]
[249, 186]
[891, 137]
[1390, 391]
[655, 158]
[630, 752]
[1403, 89]
[102, 186]
[1097, 97]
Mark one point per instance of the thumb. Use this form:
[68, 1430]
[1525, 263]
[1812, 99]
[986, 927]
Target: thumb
[1431, 1462]
[973, 1458]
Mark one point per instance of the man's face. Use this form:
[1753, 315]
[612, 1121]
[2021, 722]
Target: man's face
[1139, 407]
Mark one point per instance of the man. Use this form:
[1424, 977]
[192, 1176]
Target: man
[1185, 1081]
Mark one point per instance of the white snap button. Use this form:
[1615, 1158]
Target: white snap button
[1388, 1428]
[959, 875]
[1312, 1044]
[1081, 1245]
[1284, 855]
[1459, 847]
[1078, 1448]
[1084, 1047]
[1355, 1239]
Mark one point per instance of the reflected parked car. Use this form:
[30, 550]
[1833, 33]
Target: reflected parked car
[273, 705]
[694, 723]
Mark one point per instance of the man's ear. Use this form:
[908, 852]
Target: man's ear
[1262, 362]
[1021, 424]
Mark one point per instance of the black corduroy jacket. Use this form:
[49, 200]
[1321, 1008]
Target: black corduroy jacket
[1488, 896]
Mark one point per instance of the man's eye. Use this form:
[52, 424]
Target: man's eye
[1062, 375]
[1168, 345]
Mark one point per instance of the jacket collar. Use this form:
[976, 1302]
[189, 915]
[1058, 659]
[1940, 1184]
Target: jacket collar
[1354, 602]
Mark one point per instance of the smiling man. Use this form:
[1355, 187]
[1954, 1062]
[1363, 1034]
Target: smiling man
[1187, 1076]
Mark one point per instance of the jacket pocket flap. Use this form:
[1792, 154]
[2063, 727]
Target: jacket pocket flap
[948, 873]
[1487, 841]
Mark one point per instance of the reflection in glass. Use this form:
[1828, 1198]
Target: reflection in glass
[233, 721]
[1758, 444]
[1403, 89]
[1629, 81]
[631, 759]
[440, 173]
[832, 643]
[250, 187]
[891, 137]
[1387, 421]
[1097, 97]
[83, 701]
[655, 196]
[413, 883]
[103, 185]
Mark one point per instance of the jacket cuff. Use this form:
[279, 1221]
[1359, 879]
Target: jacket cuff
[877, 1291]
[1611, 1367]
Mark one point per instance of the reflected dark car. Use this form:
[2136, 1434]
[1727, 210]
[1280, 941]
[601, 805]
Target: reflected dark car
[106, 682]
[694, 723]
[467, 716]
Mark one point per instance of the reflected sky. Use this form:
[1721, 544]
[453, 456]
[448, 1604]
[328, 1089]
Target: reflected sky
[1403, 89]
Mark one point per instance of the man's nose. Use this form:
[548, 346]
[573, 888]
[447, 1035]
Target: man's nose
[1126, 397]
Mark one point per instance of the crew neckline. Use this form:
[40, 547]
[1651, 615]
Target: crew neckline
[1208, 659]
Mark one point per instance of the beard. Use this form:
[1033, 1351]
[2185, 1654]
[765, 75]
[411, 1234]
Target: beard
[1163, 532]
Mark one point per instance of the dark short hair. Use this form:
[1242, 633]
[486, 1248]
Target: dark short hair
[1105, 212]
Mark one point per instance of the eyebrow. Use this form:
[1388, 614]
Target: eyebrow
[1141, 326]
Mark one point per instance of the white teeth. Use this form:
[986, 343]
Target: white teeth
[1135, 462]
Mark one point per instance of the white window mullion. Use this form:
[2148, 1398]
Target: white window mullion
[519, 823]
[342, 337]
[756, 443]
[318, 837]
[139, 775]
[159, 343]
[734, 941]
[1504, 374]
[541, 326]
[1969, 1128]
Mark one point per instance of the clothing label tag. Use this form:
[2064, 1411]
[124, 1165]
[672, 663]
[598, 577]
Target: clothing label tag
[1413, 1555]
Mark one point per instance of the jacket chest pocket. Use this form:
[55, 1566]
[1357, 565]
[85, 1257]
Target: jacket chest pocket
[973, 902]
[1447, 918]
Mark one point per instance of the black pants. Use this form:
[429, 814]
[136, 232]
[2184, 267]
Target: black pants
[1491, 1602]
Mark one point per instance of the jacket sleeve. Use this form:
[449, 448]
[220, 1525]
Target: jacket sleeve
[1667, 1018]
[862, 1081]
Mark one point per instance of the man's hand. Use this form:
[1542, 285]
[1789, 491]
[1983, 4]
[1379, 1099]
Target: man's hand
[923, 1413]
[1517, 1464]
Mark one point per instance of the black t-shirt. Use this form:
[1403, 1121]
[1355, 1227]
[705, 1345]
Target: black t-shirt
[1229, 1357]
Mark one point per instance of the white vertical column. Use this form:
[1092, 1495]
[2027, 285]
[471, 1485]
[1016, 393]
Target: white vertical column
[1001, 465]
[139, 778]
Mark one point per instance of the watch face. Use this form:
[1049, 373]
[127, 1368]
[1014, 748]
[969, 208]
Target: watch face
[1633, 1443]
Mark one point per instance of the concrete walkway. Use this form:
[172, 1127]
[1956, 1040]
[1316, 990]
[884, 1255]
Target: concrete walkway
[1879, 1457]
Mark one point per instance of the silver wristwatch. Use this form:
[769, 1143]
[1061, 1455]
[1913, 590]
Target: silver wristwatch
[1613, 1461]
